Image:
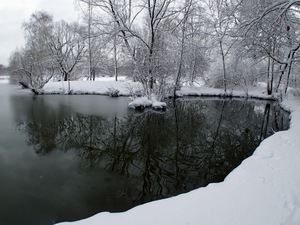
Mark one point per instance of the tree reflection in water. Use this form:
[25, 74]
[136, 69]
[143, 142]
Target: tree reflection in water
[194, 143]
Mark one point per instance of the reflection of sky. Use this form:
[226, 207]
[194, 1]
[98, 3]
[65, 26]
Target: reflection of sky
[34, 187]
[70, 104]
[97, 105]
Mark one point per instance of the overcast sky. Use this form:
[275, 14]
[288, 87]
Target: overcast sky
[14, 12]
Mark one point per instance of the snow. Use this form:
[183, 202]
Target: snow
[4, 79]
[105, 86]
[158, 104]
[101, 86]
[253, 92]
[145, 102]
[263, 190]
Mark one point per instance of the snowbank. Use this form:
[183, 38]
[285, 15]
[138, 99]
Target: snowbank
[263, 190]
[124, 87]
[4, 79]
[258, 92]
[143, 102]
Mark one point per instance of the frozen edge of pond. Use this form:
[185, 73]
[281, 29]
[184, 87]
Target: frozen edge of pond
[263, 190]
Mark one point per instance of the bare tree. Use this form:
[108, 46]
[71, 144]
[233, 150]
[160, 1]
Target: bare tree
[274, 30]
[67, 47]
[222, 19]
[183, 37]
[104, 20]
[144, 44]
[33, 65]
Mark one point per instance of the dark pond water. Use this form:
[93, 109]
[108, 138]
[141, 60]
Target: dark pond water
[64, 158]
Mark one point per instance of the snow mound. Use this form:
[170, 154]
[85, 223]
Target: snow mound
[123, 88]
[143, 102]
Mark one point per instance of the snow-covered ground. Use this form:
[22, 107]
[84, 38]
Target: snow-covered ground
[127, 87]
[4, 79]
[92, 87]
[255, 92]
[104, 86]
[263, 190]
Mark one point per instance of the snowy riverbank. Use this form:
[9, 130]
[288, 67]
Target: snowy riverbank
[263, 190]
[4, 79]
[124, 87]
[101, 86]
[104, 85]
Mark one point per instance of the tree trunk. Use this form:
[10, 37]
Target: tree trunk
[224, 66]
[270, 76]
[65, 76]
[288, 75]
[115, 59]
[89, 41]
[178, 76]
[287, 68]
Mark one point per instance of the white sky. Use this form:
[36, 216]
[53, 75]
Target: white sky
[14, 12]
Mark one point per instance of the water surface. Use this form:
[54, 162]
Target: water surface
[65, 158]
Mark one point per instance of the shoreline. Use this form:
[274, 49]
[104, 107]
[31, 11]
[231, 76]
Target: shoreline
[129, 89]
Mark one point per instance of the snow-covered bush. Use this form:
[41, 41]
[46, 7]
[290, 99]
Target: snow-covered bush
[144, 102]
[112, 92]
[239, 72]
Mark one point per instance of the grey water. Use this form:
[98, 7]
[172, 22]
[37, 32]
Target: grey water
[64, 158]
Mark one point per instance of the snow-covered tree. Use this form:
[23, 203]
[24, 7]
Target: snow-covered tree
[33, 64]
[221, 22]
[67, 47]
[272, 32]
